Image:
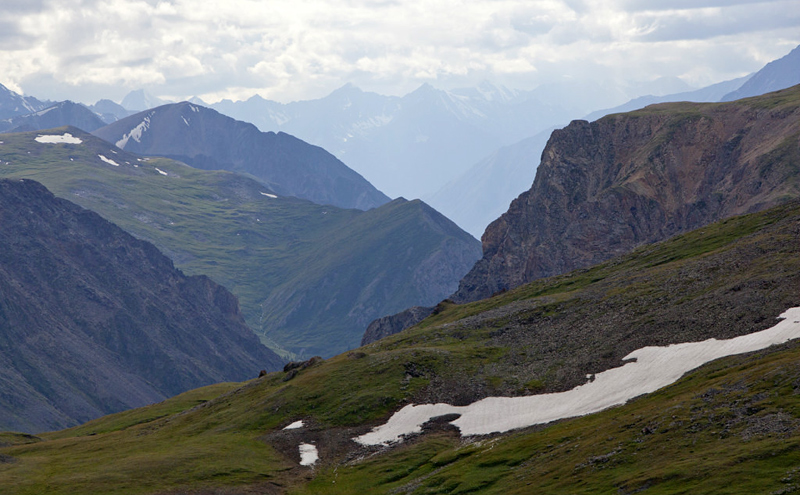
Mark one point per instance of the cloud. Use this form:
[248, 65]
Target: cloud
[306, 48]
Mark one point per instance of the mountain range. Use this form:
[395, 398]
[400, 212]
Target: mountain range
[652, 244]
[206, 139]
[413, 145]
[309, 277]
[93, 321]
[58, 115]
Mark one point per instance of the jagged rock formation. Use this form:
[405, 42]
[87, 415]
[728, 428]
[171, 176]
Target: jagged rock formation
[608, 186]
[206, 139]
[94, 321]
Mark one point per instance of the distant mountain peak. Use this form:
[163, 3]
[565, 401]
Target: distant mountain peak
[140, 99]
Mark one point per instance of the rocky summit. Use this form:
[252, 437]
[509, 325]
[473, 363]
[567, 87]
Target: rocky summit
[606, 187]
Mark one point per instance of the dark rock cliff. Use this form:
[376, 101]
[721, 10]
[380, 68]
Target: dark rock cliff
[94, 321]
[605, 187]
[390, 325]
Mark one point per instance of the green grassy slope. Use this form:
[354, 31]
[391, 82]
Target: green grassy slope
[730, 427]
[281, 256]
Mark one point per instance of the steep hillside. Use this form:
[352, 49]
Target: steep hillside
[58, 115]
[206, 139]
[730, 427]
[608, 186]
[309, 278]
[93, 321]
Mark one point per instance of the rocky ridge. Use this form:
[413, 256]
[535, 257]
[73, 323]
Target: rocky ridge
[606, 187]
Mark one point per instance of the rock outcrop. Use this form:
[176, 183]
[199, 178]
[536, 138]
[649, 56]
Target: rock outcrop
[390, 325]
[605, 187]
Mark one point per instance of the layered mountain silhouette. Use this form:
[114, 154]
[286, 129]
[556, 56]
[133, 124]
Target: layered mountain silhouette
[206, 139]
[413, 145]
[94, 321]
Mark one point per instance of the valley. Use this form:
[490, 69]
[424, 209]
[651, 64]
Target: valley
[309, 278]
[685, 289]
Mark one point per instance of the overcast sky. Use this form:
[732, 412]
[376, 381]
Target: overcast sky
[302, 49]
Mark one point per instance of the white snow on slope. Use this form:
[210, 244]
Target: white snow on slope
[136, 132]
[308, 454]
[654, 368]
[269, 195]
[108, 160]
[295, 425]
[66, 138]
[160, 171]
[185, 121]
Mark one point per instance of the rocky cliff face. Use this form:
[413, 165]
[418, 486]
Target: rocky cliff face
[608, 186]
[94, 321]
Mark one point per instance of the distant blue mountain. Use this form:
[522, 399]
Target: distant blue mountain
[778, 74]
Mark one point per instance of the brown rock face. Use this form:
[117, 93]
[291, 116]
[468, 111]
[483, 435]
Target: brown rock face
[606, 187]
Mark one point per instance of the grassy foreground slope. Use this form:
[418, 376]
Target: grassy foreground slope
[730, 427]
[309, 277]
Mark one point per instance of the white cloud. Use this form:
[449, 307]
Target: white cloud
[303, 49]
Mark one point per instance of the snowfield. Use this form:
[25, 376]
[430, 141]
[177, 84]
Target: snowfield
[66, 138]
[653, 368]
[295, 425]
[308, 454]
[269, 195]
[160, 171]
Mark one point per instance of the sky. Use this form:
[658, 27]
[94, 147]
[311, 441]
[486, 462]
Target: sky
[304, 49]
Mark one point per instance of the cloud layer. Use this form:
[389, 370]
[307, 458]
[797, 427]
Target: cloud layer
[303, 49]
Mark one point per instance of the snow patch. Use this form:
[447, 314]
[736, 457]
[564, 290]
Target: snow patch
[185, 121]
[653, 368]
[309, 454]
[108, 160]
[295, 425]
[66, 138]
[136, 132]
[269, 195]
[160, 171]
[46, 110]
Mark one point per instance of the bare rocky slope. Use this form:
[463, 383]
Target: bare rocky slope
[606, 187]
[94, 321]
